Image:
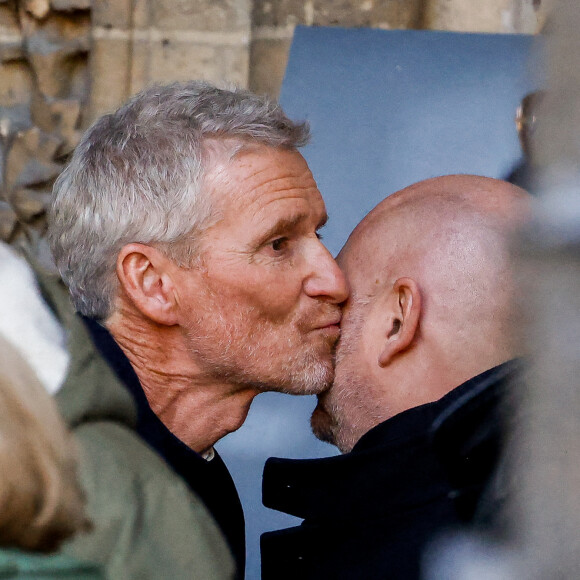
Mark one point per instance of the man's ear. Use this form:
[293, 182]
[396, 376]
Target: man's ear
[403, 312]
[143, 272]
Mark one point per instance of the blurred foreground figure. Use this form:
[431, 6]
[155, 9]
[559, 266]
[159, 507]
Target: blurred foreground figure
[416, 406]
[527, 173]
[145, 521]
[186, 225]
[41, 501]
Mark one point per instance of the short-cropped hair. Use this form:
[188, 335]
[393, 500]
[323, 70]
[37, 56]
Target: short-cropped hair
[136, 176]
[41, 501]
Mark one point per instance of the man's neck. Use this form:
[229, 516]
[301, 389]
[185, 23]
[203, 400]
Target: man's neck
[196, 407]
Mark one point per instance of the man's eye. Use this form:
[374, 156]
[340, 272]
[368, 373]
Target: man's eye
[279, 244]
[319, 235]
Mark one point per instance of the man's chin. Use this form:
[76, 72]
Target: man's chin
[312, 375]
[322, 425]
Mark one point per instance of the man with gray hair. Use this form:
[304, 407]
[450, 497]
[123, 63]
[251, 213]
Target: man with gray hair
[187, 224]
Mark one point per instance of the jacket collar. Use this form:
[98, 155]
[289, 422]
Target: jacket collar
[405, 448]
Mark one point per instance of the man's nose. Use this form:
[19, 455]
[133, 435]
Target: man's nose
[326, 278]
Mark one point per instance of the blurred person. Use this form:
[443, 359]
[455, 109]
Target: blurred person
[427, 349]
[528, 171]
[41, 501]
[186, 225]
[146, 522]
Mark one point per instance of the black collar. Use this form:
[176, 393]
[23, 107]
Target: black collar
[405, 448]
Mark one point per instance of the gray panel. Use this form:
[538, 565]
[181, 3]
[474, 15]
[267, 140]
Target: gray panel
[388, 108]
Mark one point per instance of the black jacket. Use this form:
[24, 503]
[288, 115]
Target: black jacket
[211, 481]
[370, 513]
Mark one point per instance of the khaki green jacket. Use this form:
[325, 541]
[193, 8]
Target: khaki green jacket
[28, 566]
[147, 522]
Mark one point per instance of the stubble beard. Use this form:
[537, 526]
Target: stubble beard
[332, 416]
[347, 410]
[261, 359]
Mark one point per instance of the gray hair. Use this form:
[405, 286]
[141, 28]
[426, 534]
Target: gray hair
[136, 176]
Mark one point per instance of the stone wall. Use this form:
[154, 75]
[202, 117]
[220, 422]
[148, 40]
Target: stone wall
[136, 43]
[273, 23]
[44, 85]
[65, 62]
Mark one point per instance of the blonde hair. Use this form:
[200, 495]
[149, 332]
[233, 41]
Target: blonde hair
[41, 502]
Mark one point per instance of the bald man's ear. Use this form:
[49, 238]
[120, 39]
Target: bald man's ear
[144, 275]
[403, 312]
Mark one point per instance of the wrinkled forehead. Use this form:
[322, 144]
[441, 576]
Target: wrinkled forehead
[264, 186]
[229, 156]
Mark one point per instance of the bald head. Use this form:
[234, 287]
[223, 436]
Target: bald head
[430, 273]
[425, 203]
[451, 235]
[422, 214]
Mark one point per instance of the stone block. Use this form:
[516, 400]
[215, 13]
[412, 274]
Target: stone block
[460, 15]
[140, 70]
[39, 9]
[51, 72]
[15, 83]
[59, 117]
[236, 65]
[174, 60]
[365, 13]
[8, 221]
[11, 47]
[280, 12]
[13, 119]
[57, 30]
[53, 48]
[8, 19]
[113, 13]
[29, 161]
[110, 75]
[79, 79]
[71, 5]
[28, 204]
[352, 13]
[142, 14]
[530, 15]
[12, 51]
[268, 60]
[206, 15]
[38, 173]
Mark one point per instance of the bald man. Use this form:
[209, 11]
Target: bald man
[427, 347]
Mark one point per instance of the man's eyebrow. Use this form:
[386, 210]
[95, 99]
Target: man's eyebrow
[284, 224]
[288, 223]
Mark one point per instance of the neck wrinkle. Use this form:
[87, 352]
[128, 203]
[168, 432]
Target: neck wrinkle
[197, 408]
